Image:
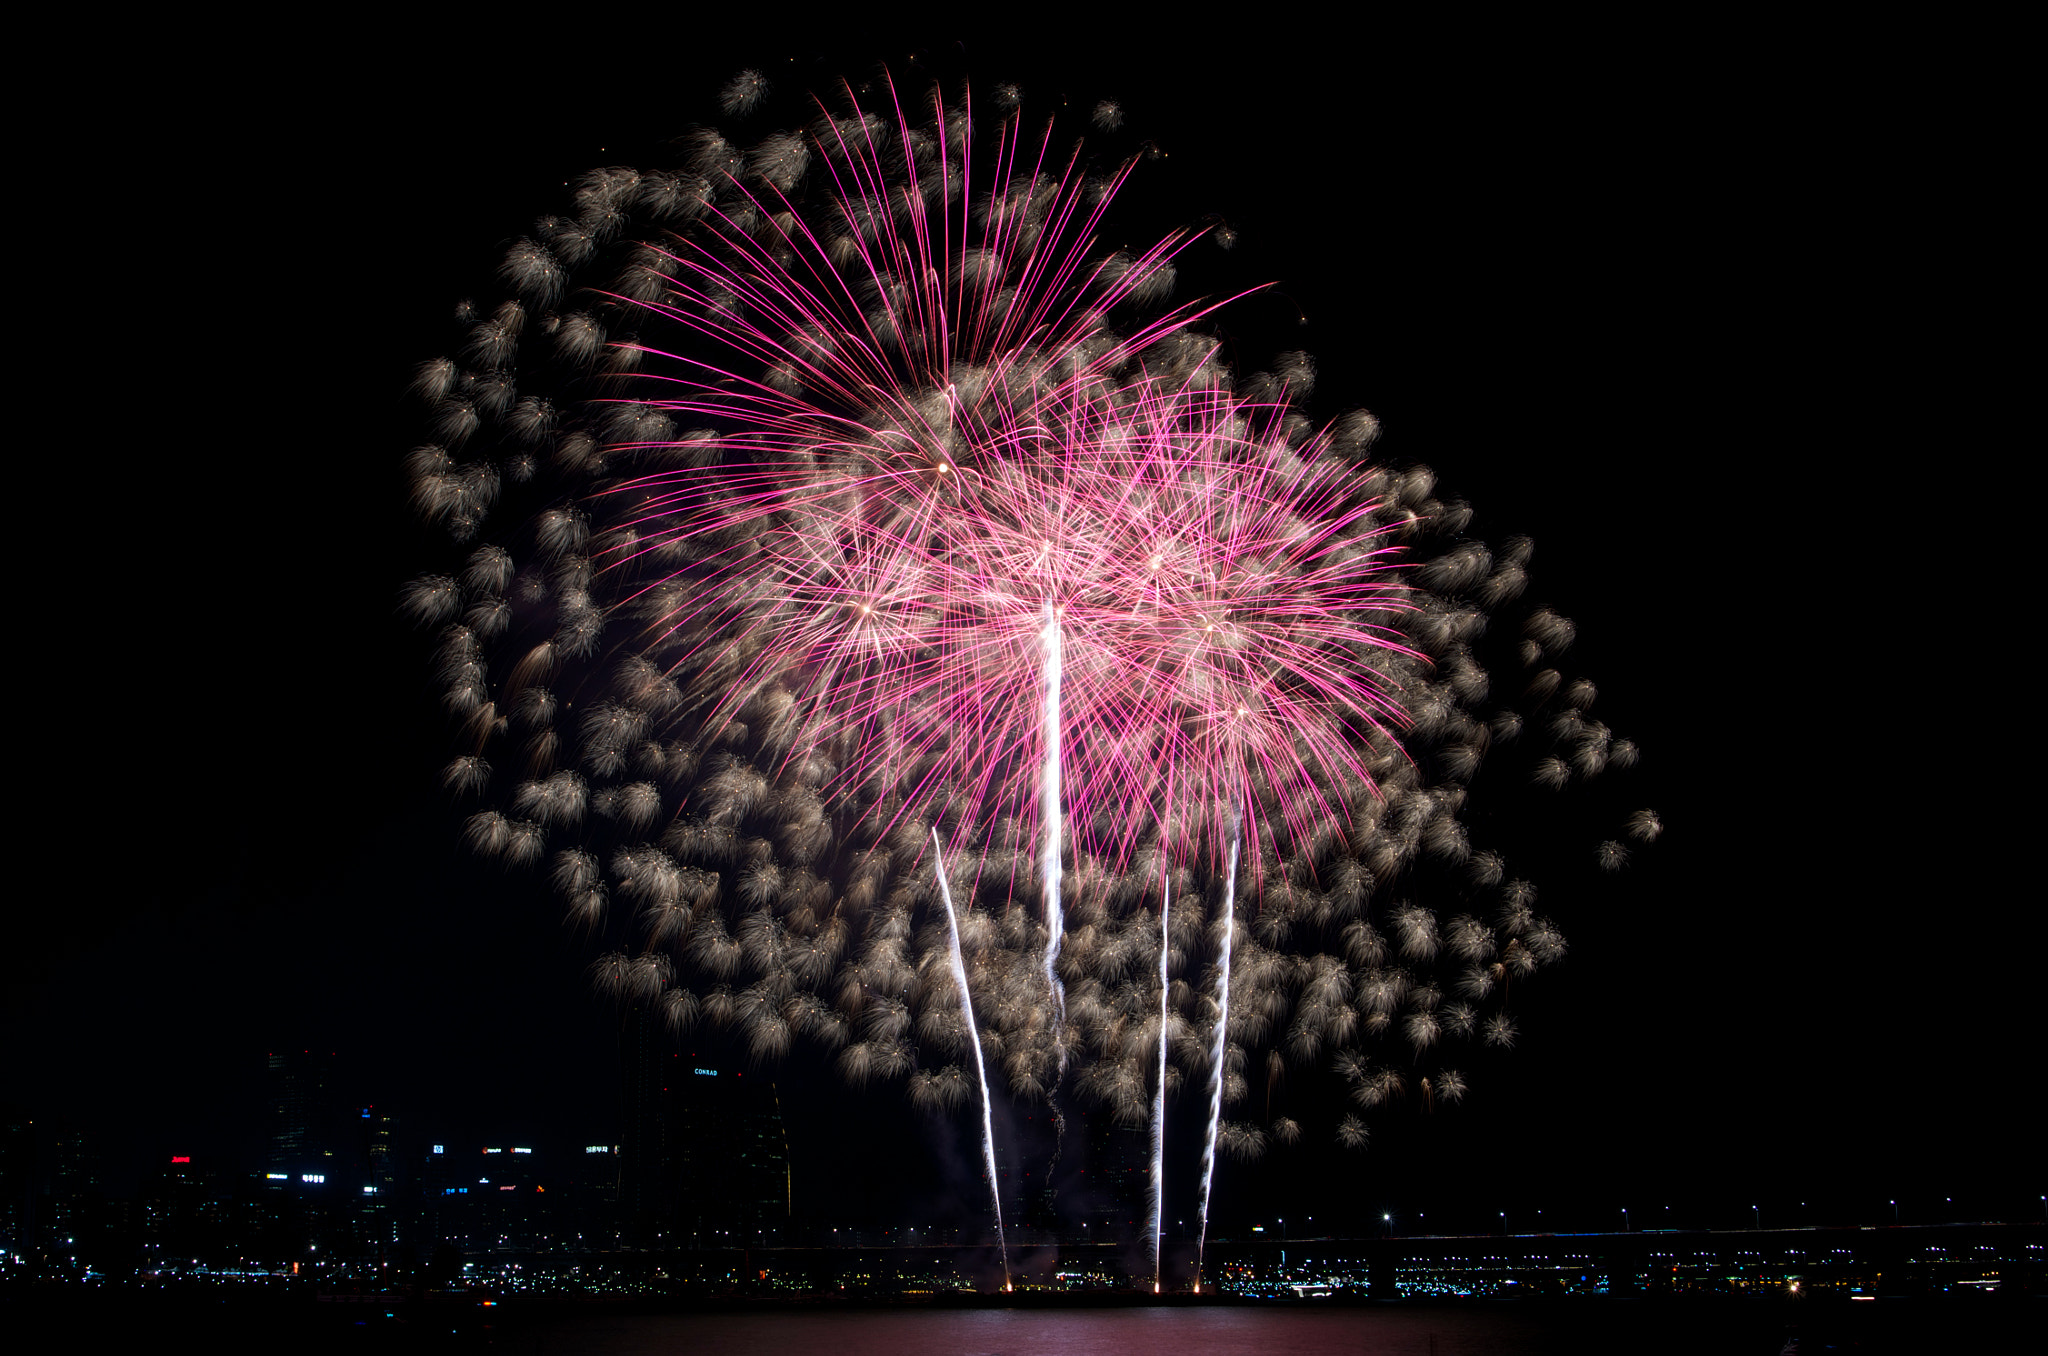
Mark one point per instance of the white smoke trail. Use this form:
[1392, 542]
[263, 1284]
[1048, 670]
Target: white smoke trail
[1216, 1050]
[1049, 813]
[1159, 1110]
[988, 1134]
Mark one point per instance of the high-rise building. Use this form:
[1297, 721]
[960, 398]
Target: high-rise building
[1116, 1178]
[302, 1112]
[1030, 1202]
[17, 1181]
[489, 1198]
[1079, 1175]
[645, 1179]
[78, 1194]
[703, 1159]
[383, 1205]
[730, 1153]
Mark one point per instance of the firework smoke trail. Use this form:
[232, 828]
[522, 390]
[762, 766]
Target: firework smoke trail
[1218, 1048]
[988, 1133]
[1049, 818]
[1159, 1105]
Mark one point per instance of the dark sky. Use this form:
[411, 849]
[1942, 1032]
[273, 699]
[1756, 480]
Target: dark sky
[1613, 291]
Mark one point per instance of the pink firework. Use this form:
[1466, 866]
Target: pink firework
[943, 449]
[904, 570]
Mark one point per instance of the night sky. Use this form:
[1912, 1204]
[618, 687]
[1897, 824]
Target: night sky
[1616, 293]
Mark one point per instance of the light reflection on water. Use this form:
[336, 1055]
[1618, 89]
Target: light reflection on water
[1710, 1326]
[1089, 1332]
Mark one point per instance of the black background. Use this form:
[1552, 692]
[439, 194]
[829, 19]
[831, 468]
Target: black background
[1676, 303]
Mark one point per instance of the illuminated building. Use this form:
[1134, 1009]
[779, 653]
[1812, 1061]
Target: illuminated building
[730, 1154]
[703, 1159]
[17, 1180]
[381, 1190]
[488, 1198]
[643, 1144]
[302, 1114]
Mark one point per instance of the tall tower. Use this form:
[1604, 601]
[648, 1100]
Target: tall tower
[646, 1177]
[381, 1202]
[703, 1157]
[731, 1155]
[301, 1114]
[17, 1179]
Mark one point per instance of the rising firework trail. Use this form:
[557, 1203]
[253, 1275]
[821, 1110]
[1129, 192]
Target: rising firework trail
[1218, 1048]
[1157, 1192]
[840, 492]
[1049, 816]
[988, 1133]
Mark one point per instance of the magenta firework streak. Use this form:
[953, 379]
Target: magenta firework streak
[936, 442]
[899, 593]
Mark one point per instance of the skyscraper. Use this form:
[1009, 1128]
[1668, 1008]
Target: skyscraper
[301, 1112]
[731, 1154]
[704, 1160]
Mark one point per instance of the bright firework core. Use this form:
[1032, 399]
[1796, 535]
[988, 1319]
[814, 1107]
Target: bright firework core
[928, 545]
[947, 661]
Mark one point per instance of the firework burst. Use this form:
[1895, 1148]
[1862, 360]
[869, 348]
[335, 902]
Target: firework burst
[911, 637]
